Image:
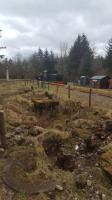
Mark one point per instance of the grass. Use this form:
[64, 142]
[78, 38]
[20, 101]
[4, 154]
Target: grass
[63, 89]
[106, 92]
[20, 196]
[18, 113]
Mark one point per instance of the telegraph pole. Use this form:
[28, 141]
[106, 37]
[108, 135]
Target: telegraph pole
[7, 73]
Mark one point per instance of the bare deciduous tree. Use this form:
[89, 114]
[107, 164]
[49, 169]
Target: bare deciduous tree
[63, 49]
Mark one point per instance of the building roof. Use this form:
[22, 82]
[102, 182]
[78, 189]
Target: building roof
[98, 77]
[82, 77]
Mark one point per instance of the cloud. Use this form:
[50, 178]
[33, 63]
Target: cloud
[30, 24]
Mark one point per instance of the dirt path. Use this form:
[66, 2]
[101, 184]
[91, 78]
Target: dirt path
[98, 101]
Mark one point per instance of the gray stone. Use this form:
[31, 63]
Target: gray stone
[89, 183]
[59, 187]
[18, 130]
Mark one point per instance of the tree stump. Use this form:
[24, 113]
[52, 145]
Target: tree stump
[45, 105]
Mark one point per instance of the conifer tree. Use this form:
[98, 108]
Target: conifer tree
[108, 59]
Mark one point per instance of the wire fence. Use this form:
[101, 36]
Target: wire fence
[88, 96]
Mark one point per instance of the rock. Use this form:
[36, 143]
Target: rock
[2, 150]
[82, 147]
[89, 183]
[97, 164]
[106, 160]
[18, 130]
[103, 197]
[76, 147]
[59, 187]
[97, 192]
[36, 130]
[108, 125]
[101, 134]
[20, 140]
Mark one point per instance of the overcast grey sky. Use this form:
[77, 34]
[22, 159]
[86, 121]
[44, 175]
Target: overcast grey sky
[29, 24]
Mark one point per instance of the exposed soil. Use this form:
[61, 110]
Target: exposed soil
[59, 154]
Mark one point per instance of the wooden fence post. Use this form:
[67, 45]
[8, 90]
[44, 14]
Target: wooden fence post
[48, 86]
[38, 83]
[42, 84]
[69, 91]
[2, 129]
[57, 88]
[90, 96]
